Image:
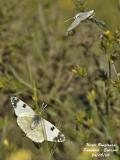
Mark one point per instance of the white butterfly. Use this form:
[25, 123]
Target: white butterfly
[79, 18]
[35, 127]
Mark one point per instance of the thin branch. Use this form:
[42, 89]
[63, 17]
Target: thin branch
[19, 78]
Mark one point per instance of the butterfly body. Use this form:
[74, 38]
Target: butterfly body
[35, 127]
[35, 121]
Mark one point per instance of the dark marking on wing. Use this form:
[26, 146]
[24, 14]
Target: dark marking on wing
[14, 101]
[24, 105]
[52, 128]
[60, 137]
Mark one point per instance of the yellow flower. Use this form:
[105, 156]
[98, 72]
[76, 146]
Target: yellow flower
[5, 142]
[34, 98]
[91, 96]
[80, 116]
[74, 71]
[90, 122]
[20, 155]
[107, 33]
[79, 71]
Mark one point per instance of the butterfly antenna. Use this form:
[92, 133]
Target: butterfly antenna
[68, 19]
[43, 106]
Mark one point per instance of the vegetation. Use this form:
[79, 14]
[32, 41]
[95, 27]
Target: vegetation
[77, 76]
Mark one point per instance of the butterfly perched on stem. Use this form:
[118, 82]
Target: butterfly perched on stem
[33, 125]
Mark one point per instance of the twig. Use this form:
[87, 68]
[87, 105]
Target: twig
[19, 78]
[115, 70]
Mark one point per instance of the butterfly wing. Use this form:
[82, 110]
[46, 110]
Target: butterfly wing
[44, 130]
[21, 107]
[85, 15]
[35, 134]
[79, 18]
[74, 24]
[52, 133]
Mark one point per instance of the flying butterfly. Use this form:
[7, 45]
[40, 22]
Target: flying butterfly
[79, 17]
[33, 125]
[82, 16]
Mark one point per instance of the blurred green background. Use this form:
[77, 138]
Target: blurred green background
[38, 64]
